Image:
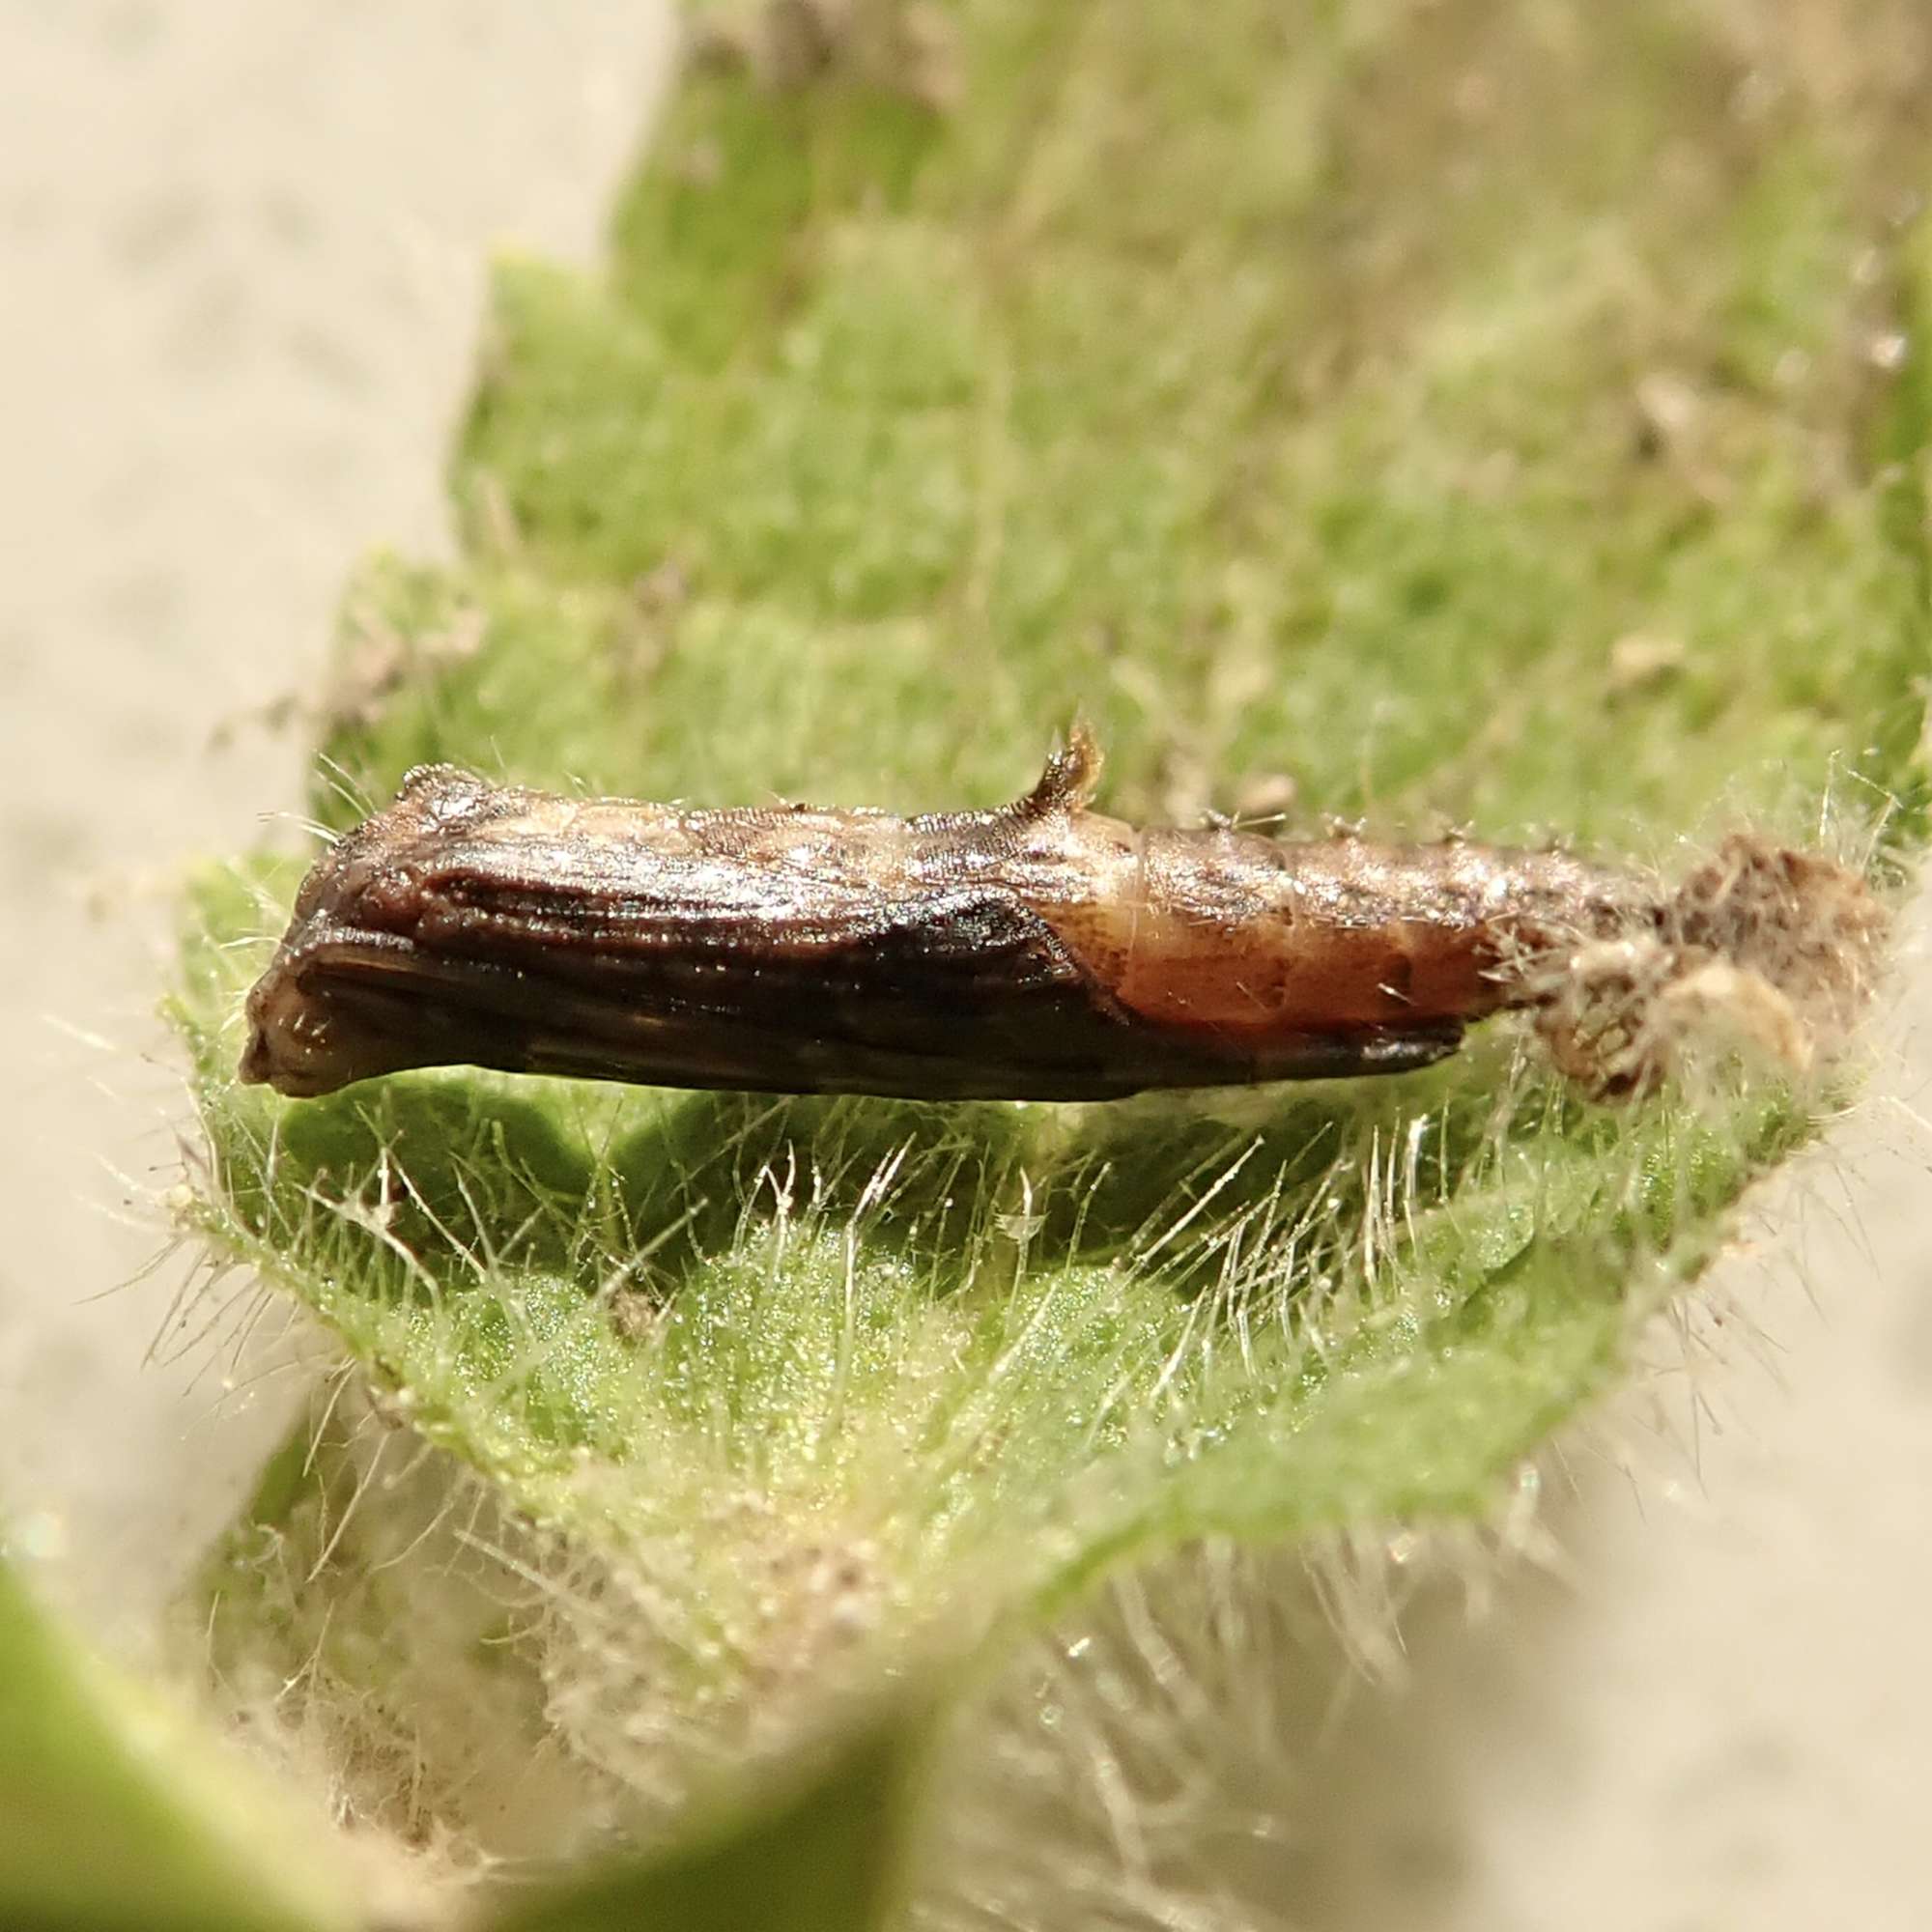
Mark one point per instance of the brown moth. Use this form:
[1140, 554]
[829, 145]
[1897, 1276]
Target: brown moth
[1040, 951]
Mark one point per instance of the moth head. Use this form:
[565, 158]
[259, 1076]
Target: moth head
[305, 1038]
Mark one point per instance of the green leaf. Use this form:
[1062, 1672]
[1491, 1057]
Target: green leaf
[1524, 463]
[823, 1858]
[116, 1814]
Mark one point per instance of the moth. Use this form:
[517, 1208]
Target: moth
[1039, 951]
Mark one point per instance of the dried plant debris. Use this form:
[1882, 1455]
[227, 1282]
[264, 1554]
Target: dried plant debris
[908, 49]
[1760, 948]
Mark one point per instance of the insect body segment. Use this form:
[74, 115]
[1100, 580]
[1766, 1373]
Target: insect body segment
[1040, 951]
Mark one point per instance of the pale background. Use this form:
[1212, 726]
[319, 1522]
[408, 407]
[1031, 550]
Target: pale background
[243, 247]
